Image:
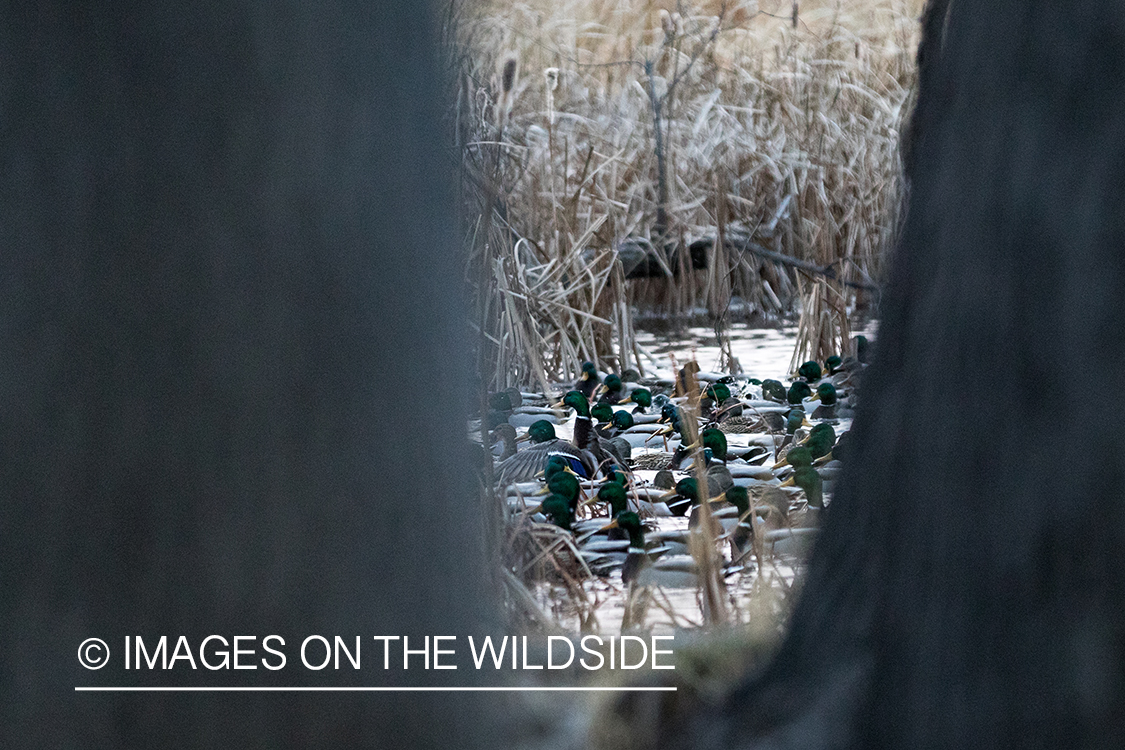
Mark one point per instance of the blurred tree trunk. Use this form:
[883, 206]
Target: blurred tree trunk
[969, 586]
[231, 367]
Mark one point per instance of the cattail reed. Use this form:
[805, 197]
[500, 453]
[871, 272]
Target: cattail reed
[509, 75]
[783, 127]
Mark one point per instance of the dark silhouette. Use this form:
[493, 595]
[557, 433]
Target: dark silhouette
[227, 259]
[969, 586]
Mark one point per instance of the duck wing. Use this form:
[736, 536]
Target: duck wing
[525, 465]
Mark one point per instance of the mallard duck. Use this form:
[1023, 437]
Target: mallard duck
[526, 464]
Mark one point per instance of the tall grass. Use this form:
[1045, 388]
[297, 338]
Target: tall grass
[778, 135]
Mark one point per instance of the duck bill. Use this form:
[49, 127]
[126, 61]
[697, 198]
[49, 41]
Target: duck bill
[524, 437]
[720, 498]
[625, 400]
[783, 462]
[611, 525]
[788, 483]
[667, 495]
[558, 405]
[823, 459]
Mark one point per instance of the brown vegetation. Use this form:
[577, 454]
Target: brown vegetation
[778, 134]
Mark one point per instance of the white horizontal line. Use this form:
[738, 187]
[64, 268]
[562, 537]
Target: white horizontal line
[366, 689]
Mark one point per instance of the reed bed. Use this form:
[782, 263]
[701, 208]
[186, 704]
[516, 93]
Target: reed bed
[657, 124]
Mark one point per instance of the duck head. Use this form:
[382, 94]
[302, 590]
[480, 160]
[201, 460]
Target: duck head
[540, 431]
[810, 371]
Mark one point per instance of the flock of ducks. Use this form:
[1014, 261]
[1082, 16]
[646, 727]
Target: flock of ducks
[639, 448]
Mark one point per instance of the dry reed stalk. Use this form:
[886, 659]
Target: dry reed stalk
[770, 121]
[701, 544]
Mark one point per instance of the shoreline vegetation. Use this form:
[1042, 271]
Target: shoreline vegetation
[660, 161]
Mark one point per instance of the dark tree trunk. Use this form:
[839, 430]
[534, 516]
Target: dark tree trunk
[231, 361]
[969, 587]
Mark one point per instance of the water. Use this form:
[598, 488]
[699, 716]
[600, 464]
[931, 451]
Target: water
[762, 352]
[755, 591]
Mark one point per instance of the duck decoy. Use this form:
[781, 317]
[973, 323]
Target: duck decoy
[742, 537]
[820, 440]
[831, 407]
[809, 480]
[565, 484]
[773, 390]
[687, 375]
[826, 395]
[601, 412]
[585, 437]
[504, 441]
[612, 390]
[841, 451]
[621, 421]
[861, 348]
[798, 455]
[688, 491]
[810, 371]
[642, 397]
[637, 557]
[557, 510]
[525, 465]
[588, 381]
[798, 392]
[617, 501]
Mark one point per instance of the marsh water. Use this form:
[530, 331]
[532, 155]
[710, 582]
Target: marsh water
[759, 588]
